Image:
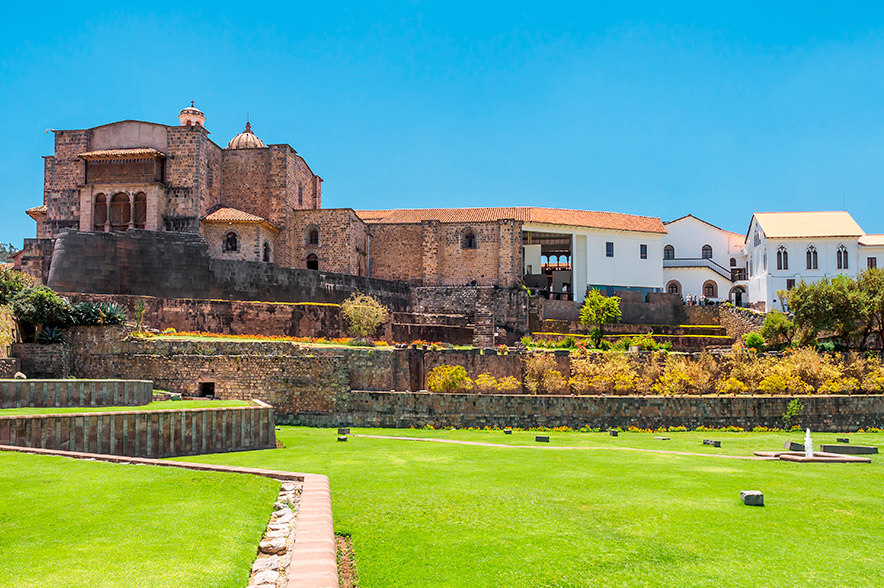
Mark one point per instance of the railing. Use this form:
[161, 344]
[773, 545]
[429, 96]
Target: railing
[724, 272]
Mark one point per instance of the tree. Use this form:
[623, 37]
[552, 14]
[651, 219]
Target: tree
[41, 307]
[11, 283]
[6, 250]
[364, 314]
[832, 304]
[778, 329]
[598, 311]
[871, 283]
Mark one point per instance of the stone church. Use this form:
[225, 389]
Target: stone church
[262, 203]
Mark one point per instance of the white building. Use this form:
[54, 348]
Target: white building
[701, 260]
[784, 248]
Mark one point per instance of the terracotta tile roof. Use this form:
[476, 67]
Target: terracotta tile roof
[528, 214]
[872, 240]
[779, 225]
[138, 153]
[35, 211]
[232, 215]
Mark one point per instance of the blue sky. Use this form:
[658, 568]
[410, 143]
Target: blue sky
[642, 108]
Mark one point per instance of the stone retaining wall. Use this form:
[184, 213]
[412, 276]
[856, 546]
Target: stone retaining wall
[406, 409]
[156, 433]
[43, 361]
[52, 393]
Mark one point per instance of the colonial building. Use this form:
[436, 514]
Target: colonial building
[702, 261]
[262, 203]
[784, 248]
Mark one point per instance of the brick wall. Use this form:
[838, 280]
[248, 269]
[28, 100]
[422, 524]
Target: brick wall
[406, 409]
[156, 433]
[39, 393]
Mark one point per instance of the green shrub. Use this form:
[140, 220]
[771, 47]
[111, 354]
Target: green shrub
[12, 282]
[40, 307]
[793, 409]
[754, 340]
[449, 378]
[50, 335]
[364, 314]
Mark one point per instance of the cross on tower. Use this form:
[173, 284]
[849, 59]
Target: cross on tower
[192, 104]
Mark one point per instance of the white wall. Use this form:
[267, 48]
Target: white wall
[531, 256]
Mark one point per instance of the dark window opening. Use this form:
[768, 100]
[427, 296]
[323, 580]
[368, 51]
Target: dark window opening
[707, 252]
[313, 236]
[669, 252]
[207, 389]
[312, 262]
[643, 251]
[790, 283]
[99, 216]
[266, 255]
[872, 262]
[609, 249]
[469, 240]
[231, 242]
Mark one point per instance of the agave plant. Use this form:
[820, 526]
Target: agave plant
[86, 313]
[114, 314]
[50, 335]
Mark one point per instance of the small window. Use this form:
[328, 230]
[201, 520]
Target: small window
[313, 236]
[300, 194]
[782, 258]
[790, 283]
[710, 289]
[673, 287]
[733, 262]
[812, 258]
[707, 252]
[231, 242]
[609, 249]
[468, 241]
[312, 262]
[99, 217]
[207, 389]
[669, 252]
[266, 254]
[643, 251]
[872, 262]
[841, 257]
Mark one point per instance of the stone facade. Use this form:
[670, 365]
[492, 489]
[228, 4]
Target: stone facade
[51, 393]
[43, 361]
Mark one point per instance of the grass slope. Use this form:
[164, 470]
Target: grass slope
[428, 514]
[158, 405]
[71, 523]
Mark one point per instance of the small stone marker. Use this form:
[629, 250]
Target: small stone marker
[843, 440]
[792, 446]
[542, 438]
[850, 449]
[711, 442]
[343, 431]
[662, 438]
[614, 433]
[342, 438]
[507, 431]
[752, 497]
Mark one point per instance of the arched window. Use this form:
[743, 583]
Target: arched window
[312, 262]
[99, 214]
[312, 236]
[120, 212]
[707, 251]
[468, 239]
[710, 289]
[841, 257]
[139, 211]
[782, 258]
[669, 252]
[733, 262]
[300, 194]
[266, 254]
[231, 242]
[673, 287]
[812, 261]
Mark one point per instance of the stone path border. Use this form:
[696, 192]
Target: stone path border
[548, 447]
[314, 554]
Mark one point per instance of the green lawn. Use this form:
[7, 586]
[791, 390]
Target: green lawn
[158, 405]
[431, 514]
[72, 523]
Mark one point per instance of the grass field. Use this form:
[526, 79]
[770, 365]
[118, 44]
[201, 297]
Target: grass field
[75, 523]
[432, 514]
[158, 405]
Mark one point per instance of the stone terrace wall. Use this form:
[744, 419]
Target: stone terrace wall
[406, 409]
[178, 265]
[739, 321]
[24, 393]
[509, 305]
[43, 361]
[155, 433]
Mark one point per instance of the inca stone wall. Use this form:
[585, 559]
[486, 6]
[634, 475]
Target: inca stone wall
[155, 433]
[53, 393]
[407, 409]
[43, 361]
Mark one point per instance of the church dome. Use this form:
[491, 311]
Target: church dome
[192, 116]
[246, 140]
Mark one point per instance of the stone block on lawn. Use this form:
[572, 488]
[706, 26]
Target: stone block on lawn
[344, 431]
[342, 438]
[614, 433]
[792, 446]
[507, 431]
[542, 438]
[843, 440]
[662, 438]
[850, 449]
[711, 443]
[752, 497]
